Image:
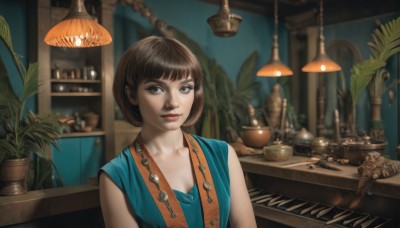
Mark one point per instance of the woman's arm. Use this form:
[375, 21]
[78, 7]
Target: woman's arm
[241, 214]
[116, 211]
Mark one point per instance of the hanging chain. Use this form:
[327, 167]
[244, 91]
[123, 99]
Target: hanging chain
[276, 17]
[321, 13]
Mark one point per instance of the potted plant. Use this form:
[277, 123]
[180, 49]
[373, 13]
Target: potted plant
[371, 73]
[23, 134]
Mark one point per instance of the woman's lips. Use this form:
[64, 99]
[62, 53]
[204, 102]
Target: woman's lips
[171, 117]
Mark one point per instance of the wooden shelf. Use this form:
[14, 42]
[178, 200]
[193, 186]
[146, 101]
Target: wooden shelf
[47, 202]
[75, 94]
[75, 81]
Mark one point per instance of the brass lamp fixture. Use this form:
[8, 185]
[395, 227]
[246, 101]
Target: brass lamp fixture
[78, 30]
[321, 62]
[224, 23]
[275, 67]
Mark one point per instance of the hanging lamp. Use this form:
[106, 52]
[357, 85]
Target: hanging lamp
[275, 67]
[224, 23]
[321, 62]
[77, 30]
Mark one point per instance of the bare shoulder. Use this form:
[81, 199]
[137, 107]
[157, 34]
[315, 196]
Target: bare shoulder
[115, 208]
[232, 156]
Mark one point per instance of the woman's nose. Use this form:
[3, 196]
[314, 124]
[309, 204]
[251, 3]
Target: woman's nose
[172, 101]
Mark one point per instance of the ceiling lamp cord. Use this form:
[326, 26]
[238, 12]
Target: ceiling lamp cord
[321, 62]
[275, 67]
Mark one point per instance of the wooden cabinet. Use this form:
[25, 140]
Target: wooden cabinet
[69, 88]
[79, 159]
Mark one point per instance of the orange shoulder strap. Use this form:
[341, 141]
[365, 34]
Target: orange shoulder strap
[208, 195]
[161, 192]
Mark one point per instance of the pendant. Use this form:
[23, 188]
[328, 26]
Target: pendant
[207, 186]
[163, 196]
[145, 161]
[202, 169]
[154, 178]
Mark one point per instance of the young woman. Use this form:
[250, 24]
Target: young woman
[166, 177]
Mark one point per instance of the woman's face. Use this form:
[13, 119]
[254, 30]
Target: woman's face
[165, 104]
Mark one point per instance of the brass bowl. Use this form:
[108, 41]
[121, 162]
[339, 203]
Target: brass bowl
[277, 152]
[356, 151]
[320, 145]
[255, 136]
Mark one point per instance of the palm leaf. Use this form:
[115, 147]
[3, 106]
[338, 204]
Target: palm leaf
[31, 82]
[386, 40]
[361, 76]
[384, 43]
[246, 85]
[7, 94]
[247, 71]
[5, 36]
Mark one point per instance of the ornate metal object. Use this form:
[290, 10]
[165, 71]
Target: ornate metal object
[224, 23]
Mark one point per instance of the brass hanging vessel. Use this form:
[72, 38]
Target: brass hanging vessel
[224, 23]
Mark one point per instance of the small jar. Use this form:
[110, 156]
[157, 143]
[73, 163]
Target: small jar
[92, 73]
[57, 73]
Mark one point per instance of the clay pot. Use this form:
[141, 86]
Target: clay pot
[255, 136]
[13, 174]
[91, 120]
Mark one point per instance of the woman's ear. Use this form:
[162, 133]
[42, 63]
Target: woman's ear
[132, 99]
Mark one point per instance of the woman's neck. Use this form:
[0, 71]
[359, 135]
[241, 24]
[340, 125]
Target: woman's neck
[162, 143]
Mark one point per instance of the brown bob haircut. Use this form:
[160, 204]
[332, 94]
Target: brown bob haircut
[156, 58]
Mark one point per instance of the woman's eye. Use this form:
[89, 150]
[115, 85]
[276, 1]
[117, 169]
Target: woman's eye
[154, 89]
[186, 89]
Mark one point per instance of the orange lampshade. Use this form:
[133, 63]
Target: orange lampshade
[77, 30]
[321, 62]
[275, 67]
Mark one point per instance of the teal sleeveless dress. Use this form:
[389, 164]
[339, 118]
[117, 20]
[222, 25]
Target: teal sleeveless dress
[125, 174]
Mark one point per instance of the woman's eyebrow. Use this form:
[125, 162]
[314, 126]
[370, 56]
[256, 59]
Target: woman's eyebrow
[163, 83]
[154, 80]
[187, 81]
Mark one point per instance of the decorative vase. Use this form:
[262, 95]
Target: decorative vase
[13, 174]
[377, 131]
[274, 105]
